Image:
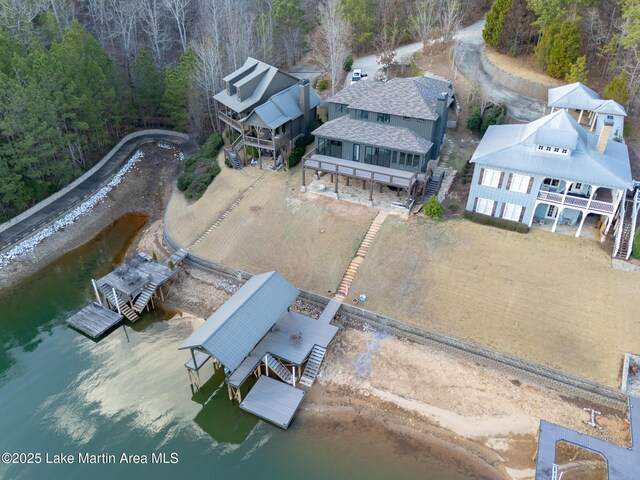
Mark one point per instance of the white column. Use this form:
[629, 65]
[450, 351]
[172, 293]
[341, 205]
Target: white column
[606, 230]
[580, 116]
[555, 222]
[115, 299]
[533, 214]
[553, 109]
[266, 365]
[294, 376]
[95, 289]
[584, 217]
[593, 192]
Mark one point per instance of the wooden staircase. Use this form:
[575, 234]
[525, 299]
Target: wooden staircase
[144, 297]
[625, 240]
[313, 366]
[114, 300]
[177, 257]
[352, 269]
[280, 370]
[433, 184]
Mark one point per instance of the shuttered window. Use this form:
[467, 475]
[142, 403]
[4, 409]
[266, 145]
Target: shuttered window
[485, 206]
[519, 183]
[512, 212]
[491, 178]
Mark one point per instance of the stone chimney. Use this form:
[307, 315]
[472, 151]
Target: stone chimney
[605, 135]
[305, 102]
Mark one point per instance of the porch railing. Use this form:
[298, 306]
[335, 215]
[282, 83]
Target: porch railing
[576, 202]
[280, 140]
[229, 120]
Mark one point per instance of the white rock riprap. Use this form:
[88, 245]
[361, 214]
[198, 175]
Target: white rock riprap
[30, 243]
[176, 154]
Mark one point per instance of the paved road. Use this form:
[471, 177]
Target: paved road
[369, 65]
[470, 44]
[49, 213]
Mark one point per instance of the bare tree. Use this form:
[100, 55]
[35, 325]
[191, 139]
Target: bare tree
[153, 20]
[17, 15]
[450, 18]
[100, 16]
[181, 13]
[332, 39]
[388, 36]
[264, 32]
[424, 19]
[239, 37]
[208, 74]
[125, 22]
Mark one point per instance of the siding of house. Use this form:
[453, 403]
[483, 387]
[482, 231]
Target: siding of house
[332, 113]
[424, 129]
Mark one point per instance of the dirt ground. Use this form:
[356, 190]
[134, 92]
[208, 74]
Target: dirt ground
[310, 241]
[522, 66]
[549, 298]
[144, 189]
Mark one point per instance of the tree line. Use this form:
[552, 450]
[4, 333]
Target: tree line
[571, 38]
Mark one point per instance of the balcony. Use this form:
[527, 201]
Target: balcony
[262, 142]
[579, 203]
[232, 122]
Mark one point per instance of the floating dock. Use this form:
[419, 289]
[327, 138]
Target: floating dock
[94, 320]
[273, 401]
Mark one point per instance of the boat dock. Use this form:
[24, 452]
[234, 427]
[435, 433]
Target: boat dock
[125, 293]
[255, 334]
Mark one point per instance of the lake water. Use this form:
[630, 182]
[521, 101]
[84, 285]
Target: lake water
[61, 393]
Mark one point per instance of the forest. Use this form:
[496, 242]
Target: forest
[77, 75]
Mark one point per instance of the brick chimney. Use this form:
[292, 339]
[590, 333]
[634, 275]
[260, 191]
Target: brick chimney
[305, 102]
[605, 135]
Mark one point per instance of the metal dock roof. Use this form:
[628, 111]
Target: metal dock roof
[273, 401]
[291, 339]
[238, 325]
[94, 320]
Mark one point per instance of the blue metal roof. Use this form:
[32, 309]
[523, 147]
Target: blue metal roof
[233, 330]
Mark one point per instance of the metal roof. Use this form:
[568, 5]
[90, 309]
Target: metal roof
[514, 147]
[233, 330]
[406, 97]
[280, 108]
[550, 137]
[610, 107]
[575, 95]
[375, 134]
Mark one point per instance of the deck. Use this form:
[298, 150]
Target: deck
[273, 401]
[94, 320]
[329, 312]
[279, 342]
[621, 462]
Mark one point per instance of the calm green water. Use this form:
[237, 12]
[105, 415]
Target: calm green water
[61, 393]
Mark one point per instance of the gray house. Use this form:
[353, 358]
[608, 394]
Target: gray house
[551, 172]
[385, 132]
[266, 108]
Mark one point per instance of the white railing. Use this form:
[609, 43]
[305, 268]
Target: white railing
[619, 229]
[576, 202]
[634, 219]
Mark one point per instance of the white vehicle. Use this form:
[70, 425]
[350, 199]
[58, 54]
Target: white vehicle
[358, 75]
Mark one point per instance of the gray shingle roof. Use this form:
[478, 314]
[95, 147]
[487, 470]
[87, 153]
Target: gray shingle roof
[407, 97]
[514, 147]
[354, 92]
[375, 134]
[233, 330]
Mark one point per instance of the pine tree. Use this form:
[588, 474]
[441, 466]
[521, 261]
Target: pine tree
[618, 89]
[494, 24]
[564, 49]
[148, 87]
[578, 71]
[178, 81]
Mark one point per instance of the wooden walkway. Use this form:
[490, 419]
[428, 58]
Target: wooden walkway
[621, 462]
[94, 320]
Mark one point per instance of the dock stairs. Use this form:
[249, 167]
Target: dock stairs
[313, 365]
[178, 256]
[280, 370]
[144, 297]
[125, 309]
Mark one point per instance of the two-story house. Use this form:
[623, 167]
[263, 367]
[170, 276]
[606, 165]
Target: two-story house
[266, 108]
[383, 132]
[551, 172]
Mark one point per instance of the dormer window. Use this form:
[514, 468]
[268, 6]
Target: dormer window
[565, 151]
[556, 150]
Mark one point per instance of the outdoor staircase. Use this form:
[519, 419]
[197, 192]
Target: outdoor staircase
[234, 153]
[125, 309]
[177, 257]
[280, 370]
[144, 297]
[313, 366]
[433, 184]
[625, 240]
[352, 269]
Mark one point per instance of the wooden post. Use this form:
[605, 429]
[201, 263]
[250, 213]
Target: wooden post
[273, 139]
[303, 179]
[115, 298]
[371, 189]
[336, 182]
[95, 289]
[161, 293]
[348, 181]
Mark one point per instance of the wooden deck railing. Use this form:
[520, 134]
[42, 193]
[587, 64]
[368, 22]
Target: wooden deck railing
[576, 202]
[280, 140]
[229, 120]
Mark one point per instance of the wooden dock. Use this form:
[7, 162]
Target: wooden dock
[273, 401]
[94, 320]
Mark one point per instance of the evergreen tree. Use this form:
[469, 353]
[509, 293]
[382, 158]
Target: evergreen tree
[361, 15]
[618, 89]
[578, 71]
[494, 24]
[148, 87]
[178, 81]
[564, 49]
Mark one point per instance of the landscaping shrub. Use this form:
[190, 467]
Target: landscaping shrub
[453, 207]
[253, 152]
[474, 120]
[348, 63]
[618, 89]
[635, 252]
[201, 168]
[323, 84]
[296, 155]
[433, 208]
[496, 222]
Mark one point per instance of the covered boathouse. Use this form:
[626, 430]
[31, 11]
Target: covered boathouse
[255, 333]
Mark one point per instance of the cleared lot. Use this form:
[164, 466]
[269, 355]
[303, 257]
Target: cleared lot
[308, 240]
[549, 298]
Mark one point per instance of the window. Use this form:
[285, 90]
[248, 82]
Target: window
[332, 148]
[383, 117]
[340, 107]
[556, 150]
[552, 182]
[552, 211]
[540, 147]
[356, 153]
[577, 186]
[548, 149]
[565, 151]
[406, 118]
[362, 114]
[421, 120]
[512, 212]
[484, 206]
[490, 178]
[519, 183]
